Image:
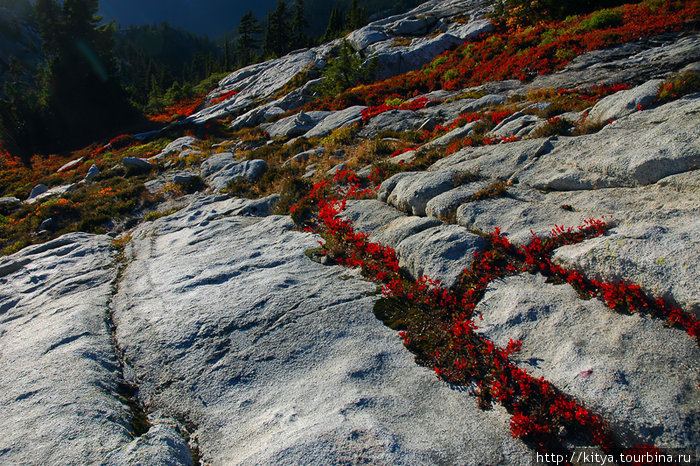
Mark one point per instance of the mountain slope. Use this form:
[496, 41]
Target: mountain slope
[450, 315]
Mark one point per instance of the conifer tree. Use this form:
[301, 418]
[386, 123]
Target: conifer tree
[356, 17]
[247, 40]
[299, 24]
[335, 25]
[81, 94]
[278, 32]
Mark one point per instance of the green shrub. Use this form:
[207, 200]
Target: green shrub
[553, 127]
[602, 19]
[680, 85]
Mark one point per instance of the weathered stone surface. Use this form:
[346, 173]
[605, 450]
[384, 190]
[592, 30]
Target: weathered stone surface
[628, 368]
[517, 124]
[393, 120]
[653, 244]
[177, 146]
[219, 169]
[660, 258]
[398, 60]
[258, 81]
[445, 205]
[160, 446]
[273, 356]
[60, 381]
[623, 103]
[37, 190]
[489, 100]
[411, 193]
[135, 162]
[639, 149]
[296, 125]
[335, 120]
[635, 62]
[441, 252]
[502, 161]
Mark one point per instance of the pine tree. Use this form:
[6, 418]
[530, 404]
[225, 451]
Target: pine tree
[347, 70]
[356, 17]
[227, 55]
[299, 24]
[247, 40]
[278, 33]
[78, 95]
[335, 25]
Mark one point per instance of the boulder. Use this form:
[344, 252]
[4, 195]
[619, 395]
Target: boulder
[516, 125]
[623, 103]
[37, 190]
[412, 193]
[440, 252]
[45, 194]
[444, 206]
[219, 169]
[61, 388]
[177, 146]
[639, 149]
[296, 125]
[137, 163]
[335, 120]
[393, 120]
[92, 172]
[489, 100]
[50, 224]
[302, 157]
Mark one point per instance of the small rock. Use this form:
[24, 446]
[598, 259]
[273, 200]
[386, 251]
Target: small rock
[37, 190]
[136, 162]
[183, 179]
[50, 224]
[337, 168]
[92, 172]
[69, 165]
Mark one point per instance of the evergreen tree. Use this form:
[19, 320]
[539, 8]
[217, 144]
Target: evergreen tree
[335, 25]
[356, 17]
[86, 95]
[227, 55]
[247, 40]
[278, 32]
[347, 70]
[77, 95]
[299, 24]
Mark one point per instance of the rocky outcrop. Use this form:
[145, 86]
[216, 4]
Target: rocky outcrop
[222, 334]
[222, 168]
[630, 368]
[62, 391]
[272, 356]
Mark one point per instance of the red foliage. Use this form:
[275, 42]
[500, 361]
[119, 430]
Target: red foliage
[373, 111]
[520, 53]
[183, 108]
[220, 98]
